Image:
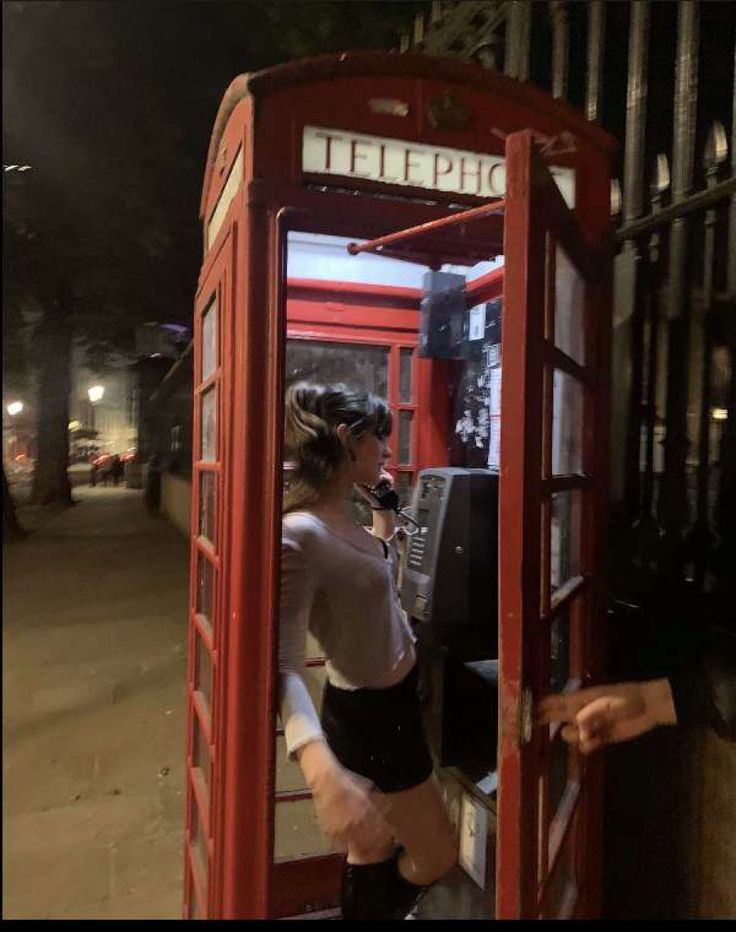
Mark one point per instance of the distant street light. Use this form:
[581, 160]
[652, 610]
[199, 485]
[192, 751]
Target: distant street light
[17, 168]
[96, 393]
[15, 407]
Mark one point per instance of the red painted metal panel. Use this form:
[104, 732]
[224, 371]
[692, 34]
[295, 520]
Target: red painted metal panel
[305, 885]
[383, 319]
[342, 333]
[215, 288]
[485, 287]
[392, 296]
[433, 380]
[255, 511]
[528, 874]
[371, 68]
[519, 529]
[598, 308]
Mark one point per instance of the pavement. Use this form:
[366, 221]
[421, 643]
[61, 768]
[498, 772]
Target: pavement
[94, 674]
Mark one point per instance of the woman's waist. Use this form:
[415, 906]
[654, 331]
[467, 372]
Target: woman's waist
[380, 679]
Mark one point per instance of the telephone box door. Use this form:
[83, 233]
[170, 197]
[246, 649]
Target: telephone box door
[551, 527]
[207, 628]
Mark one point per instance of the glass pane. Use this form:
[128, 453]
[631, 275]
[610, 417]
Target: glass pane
[544, 557]
[565, 537]
[203, 670]
[405, 419]
[567, 425]
[314, 648]
[194, 912]
[205, 587]
[289, 774]
[297, 831]
[559, 652]
[287, 477]
[353, 363]
[405, 354]
[175, 438]
[562, 888]
[207, 504]
[558, 762]
[199, 846]
[405, 486]
[209, 426]
[200, 750]
[314, 678]
[569, 308]
[209, 340]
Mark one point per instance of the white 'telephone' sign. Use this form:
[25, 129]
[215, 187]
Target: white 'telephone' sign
[400, 162]
[232, 185]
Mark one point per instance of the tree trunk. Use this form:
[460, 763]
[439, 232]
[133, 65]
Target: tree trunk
[51, 479]
[12, 528]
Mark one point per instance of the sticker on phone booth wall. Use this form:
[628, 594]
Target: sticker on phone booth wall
[494, 444]
[477, 324]
[494, 392]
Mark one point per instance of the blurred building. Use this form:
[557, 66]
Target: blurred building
[161, 403]
[105, 425]
[121, 420]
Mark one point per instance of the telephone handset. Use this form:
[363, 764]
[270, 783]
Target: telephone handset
[385, 496]
[388, 498]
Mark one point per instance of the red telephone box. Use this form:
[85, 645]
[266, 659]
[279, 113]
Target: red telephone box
[410, 162]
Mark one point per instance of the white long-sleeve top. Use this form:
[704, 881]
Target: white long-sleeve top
[346, 597]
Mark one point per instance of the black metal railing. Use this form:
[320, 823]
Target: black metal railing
[674, 355]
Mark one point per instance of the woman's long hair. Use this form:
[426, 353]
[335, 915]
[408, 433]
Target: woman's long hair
[313, 414]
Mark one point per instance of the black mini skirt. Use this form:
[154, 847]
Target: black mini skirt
[379, 733]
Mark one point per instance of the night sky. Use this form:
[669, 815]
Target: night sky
[112, 104]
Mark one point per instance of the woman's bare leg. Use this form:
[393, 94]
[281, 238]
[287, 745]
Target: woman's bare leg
[381, 851]
[420, 822]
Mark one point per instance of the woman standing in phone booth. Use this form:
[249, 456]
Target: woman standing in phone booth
[366, 761]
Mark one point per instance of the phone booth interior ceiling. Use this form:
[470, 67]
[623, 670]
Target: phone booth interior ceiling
[325, 258]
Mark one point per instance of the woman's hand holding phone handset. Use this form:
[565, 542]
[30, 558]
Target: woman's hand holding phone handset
[373, 495]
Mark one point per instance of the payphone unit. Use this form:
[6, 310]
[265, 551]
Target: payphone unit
[449, 590]
[450, 575]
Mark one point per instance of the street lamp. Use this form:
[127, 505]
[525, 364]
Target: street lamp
[14, 408]
[95, 394]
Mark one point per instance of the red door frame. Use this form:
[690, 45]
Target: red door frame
[334, 91]
[254, 375]
[534, 840]
[206, 633]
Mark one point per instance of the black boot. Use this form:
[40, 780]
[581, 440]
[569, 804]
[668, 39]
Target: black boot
[367, 890]
[404, 894]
